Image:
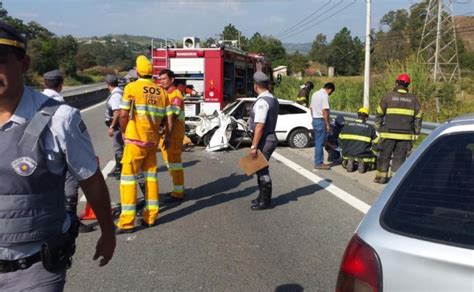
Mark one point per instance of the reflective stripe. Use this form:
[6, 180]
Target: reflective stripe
[355, 137]
[376, 140]
[175, 110]
[128, 209]
[419, 115]
[301, 98]
[151, 110]
[379, 110]
[127, 180]
[125, 105]
[150, 176]
[402, 91]
[178, 189]
[380, 174]
[397, 136]
[152, 204]
[175, 166]
[400, 111]
[368, 160]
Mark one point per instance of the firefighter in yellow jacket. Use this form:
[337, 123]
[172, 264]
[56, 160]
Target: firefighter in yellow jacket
[172, 155]
[144, 104]
[398, 119]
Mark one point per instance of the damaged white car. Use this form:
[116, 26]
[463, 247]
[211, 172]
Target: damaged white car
[228, 128]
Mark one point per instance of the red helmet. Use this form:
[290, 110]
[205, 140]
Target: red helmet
[404, 78]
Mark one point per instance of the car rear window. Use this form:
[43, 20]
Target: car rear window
[435, 201]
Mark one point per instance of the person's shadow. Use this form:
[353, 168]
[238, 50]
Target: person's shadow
[211, 194]
[289, 288]
[295, 194]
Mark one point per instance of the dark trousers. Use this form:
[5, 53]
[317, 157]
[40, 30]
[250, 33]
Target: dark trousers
[396, 150]
[35, 278]
[267, 145]
[118, 143]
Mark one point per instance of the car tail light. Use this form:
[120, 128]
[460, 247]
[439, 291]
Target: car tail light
[360, 269]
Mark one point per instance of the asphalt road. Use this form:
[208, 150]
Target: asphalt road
[214, 242]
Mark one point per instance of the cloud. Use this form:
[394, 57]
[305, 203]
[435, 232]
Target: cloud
[61, 25]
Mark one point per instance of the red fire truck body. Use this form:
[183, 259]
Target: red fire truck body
[214, 77]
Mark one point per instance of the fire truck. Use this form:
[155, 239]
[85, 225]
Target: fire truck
[211, 77]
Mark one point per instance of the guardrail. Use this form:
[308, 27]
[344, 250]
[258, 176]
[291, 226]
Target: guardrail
[86, 95]
[426, 127]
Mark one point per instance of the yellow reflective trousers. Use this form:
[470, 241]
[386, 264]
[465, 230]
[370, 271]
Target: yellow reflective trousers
[172, 158]
[138, 159]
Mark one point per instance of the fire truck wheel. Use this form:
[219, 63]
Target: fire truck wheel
[299, 138]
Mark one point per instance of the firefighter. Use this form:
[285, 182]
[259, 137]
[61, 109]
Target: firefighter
[144, 104]
[332, 142]
[172, 155]
[398, 119]
[303, 95]
[357, 138]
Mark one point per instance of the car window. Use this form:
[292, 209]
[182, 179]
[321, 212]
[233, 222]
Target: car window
[229, 107]
[286, 109]
[435, 201]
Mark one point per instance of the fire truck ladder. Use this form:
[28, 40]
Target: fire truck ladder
[165, 58]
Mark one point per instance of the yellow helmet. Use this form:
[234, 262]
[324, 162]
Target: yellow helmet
[144, 67]
[363, 110]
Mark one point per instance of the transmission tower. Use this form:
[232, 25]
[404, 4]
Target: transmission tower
[438, 46]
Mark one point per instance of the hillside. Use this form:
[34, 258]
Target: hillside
[141, 40]
[303, 48]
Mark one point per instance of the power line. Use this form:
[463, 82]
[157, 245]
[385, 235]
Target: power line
[304, 19]
[307, 22]
[322, 20]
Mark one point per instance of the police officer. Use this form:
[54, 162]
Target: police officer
[398, 119]
[41, 138]
[112, 112]
[303, 94]
[262, 122]
[357, 138]
[53, 84]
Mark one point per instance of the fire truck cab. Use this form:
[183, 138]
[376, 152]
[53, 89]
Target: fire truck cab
[211, 77]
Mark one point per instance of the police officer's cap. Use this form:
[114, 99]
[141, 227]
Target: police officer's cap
[53, 75]
[260, 78]
[11, 38]
[111, 79]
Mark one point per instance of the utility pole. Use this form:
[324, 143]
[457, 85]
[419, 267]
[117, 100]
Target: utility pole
[438, 46]
[367, 56]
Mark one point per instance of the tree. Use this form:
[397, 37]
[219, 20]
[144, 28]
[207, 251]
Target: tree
[298, 62]
[319, 50]
[230, 33]
[271, 47]
[345, 53]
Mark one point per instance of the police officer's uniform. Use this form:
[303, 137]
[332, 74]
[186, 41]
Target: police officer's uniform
[265, 110]
[112, 104]
[54, 75]
[37, 169]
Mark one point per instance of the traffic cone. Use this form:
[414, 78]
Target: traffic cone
[88, 213]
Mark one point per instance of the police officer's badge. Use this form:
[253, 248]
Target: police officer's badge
[24, 166]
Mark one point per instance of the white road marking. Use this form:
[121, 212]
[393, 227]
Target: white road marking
[108, 168]
[343, 195]
[93, 107]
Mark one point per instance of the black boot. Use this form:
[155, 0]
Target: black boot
[265, 197]
[118, 167]
[259, 196]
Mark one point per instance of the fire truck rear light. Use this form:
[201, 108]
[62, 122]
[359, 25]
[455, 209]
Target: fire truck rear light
[171, 54]
[360, 269]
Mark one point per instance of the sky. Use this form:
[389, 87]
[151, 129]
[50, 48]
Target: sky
[176, 19]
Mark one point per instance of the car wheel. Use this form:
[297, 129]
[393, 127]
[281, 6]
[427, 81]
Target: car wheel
[299, 138]
[207, 138]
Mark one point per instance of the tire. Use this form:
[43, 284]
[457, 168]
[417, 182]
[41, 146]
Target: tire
[207, 138]
[299, 138]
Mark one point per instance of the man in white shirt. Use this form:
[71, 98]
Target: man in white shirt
[321, 126]
[53, 83]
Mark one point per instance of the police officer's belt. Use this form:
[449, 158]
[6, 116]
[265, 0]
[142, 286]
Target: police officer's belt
[20, 264]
